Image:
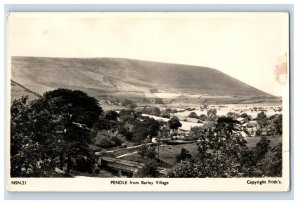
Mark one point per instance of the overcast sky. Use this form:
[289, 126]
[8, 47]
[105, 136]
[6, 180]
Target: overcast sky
[247, 46]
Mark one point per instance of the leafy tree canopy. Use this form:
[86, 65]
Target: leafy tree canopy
[174, 123]
[52, 131]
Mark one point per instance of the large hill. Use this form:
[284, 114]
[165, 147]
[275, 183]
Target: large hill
[128, 78]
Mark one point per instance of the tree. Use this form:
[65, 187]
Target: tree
[149, 170]
[154, 91]
[168, 110]
[187, 169]
[262, 148]
[54, 130]
[158, 101]
[116, 140]
[143, 128]
[203, 117]
[165, 114]
[21, 126]
[233, 115]
[193, 115]
[155, 111]
[107, 121]
[147, 151]
[143, 150]
[184, 155]
[151, 153]
[211, 114]
[246, 116]
[218, 147]
[271, 164]
[151, 111]
[223, 153]
[108, 142]
[174, 123]
[152, 126]
[276, 123]
[129, 103]
[111, 115]
[262, 119]
[197, 132]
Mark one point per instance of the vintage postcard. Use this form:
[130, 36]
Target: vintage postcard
[148, 101]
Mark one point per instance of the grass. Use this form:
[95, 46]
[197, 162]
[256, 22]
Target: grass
[99, 76]
[167, 153]
[275, 140]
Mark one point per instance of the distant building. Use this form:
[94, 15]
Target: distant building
[154, 140]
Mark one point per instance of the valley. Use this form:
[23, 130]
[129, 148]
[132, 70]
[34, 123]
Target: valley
[151, 119]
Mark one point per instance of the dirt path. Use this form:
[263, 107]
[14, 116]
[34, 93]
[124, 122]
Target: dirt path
[124, 155]
[128, 148]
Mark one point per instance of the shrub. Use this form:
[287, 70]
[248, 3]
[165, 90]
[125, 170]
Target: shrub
[193, 115]
[149, 170]
[105, 142]
[184, 155]
[116, 140]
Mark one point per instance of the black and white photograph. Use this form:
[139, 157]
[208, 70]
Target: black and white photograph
[148, 101]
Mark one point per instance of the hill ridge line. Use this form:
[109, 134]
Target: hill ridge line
[36, 94]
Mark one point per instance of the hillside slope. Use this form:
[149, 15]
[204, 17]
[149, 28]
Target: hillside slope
[116, 76]
[18, 90]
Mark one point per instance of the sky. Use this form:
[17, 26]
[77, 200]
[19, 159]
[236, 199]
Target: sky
[252, 47]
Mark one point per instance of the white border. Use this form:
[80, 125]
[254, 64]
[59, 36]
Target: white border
[91, 184]
[295, 114]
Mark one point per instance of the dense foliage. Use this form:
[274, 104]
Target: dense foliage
[223, 153]
[52, 132]
[135, 127]
[147, 151]
[56, 133]
[149, 170]
[174, 123]
[184, 155]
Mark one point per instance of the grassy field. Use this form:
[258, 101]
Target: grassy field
[167, 153]
[185, 125]
[275, 140]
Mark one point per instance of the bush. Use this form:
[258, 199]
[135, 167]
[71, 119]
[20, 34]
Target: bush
[184, 155]
[173, 134]
[143, 151]
[193, 115]
[149, 170]
[154, 91]
[151, 153]
[271, 165]
[258, 132]
[116, 140]
[187, 169]
[105, 142]
[159, 101]
[129, 103]
[174, 123]
[151, 111]
[202, 117]
[165, 114]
